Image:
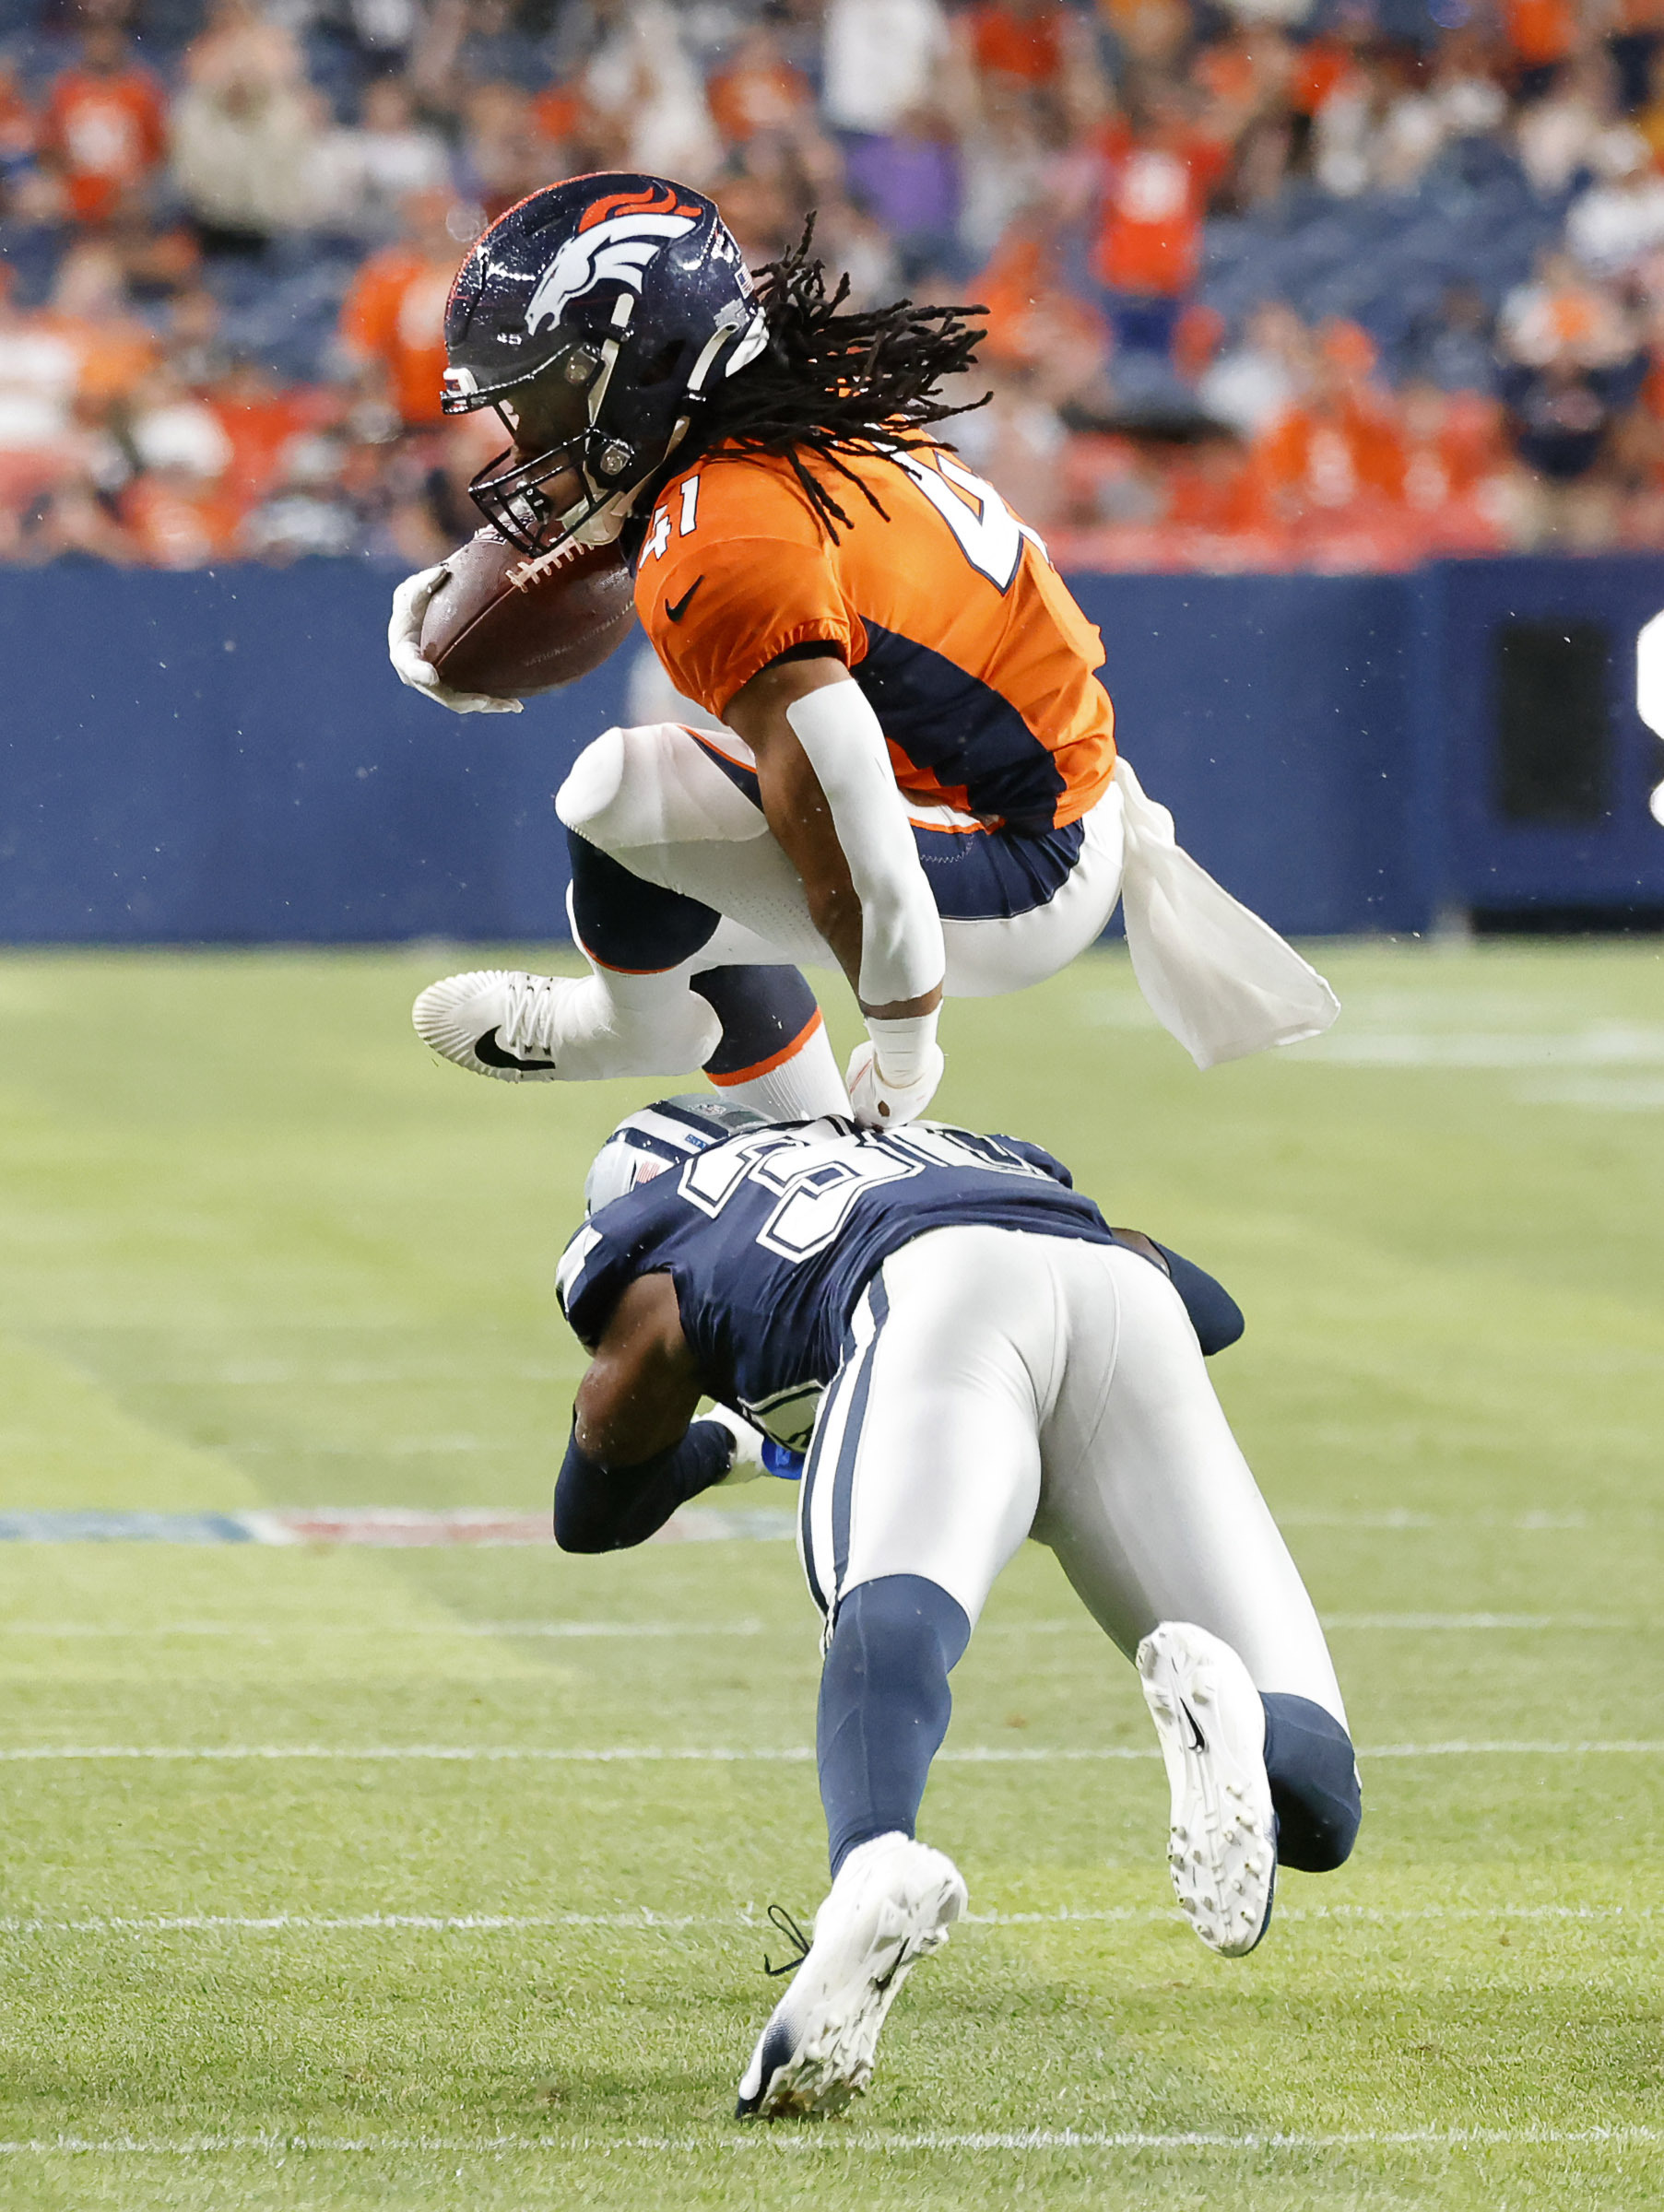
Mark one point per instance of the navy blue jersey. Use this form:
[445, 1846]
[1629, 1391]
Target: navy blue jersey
[772, 1237]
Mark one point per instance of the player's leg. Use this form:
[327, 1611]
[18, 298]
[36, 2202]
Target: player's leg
[1158, 1522]
[636, 803]
[922, 1482]
[1017, 909]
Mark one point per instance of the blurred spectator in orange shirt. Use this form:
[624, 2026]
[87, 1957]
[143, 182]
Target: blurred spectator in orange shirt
[106, 126]
[392, 320]
[1148, 248]
[1456, 461]
[261, 419]
[1018, 38]
[178, 519]
[758, 90]
[1337, 452]
[1541, 35]
[114, 350]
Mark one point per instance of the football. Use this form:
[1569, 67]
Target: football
[512, 624]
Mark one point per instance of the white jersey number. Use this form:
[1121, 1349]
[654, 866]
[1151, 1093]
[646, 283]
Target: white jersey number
[989, 535]
[818, 1178]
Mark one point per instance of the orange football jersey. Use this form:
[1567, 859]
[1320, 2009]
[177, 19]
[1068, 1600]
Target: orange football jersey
[974, 657]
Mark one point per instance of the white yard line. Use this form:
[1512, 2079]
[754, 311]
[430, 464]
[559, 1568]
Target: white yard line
[839, 2142]
[722, 1755]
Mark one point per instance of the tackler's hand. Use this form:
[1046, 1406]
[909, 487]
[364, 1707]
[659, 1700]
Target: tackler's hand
[410, 602]
[749, 1446]
[877, 1103]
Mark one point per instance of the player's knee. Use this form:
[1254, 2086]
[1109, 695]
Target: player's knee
[592, 785]
[900, 1630]
[1315, 1789]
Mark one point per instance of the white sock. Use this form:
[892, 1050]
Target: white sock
[797, 1090]
[615, 1024]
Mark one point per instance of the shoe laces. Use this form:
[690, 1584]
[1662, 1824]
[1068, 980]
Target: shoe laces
[528, 1022]
[793, 1935]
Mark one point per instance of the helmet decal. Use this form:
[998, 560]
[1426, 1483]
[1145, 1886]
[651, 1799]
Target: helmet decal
[658, 199]
[615, 250]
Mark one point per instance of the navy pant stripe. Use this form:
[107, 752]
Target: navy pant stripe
[811, 1475]
[843, 1481]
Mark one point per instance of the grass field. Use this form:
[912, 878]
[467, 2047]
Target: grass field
[255, 1247]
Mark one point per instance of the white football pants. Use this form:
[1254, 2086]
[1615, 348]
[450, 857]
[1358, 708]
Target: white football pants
[662, 807]
[999, 1385]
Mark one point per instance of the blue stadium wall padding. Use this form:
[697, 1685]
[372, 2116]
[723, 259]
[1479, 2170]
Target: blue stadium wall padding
[225, 757]
[1271, 714]
[1468, 855]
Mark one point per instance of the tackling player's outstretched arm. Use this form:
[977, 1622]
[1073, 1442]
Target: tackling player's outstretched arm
[636, 1452]
[830, 795]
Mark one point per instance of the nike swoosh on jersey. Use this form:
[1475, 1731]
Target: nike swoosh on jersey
[680, 608]
[486, 1048]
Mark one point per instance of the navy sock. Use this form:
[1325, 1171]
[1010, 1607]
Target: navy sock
[1314, 1778]
[884, 1705]
[763, 1013]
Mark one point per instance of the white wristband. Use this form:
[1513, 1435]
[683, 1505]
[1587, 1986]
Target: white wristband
[905, 1050]
[902, 951]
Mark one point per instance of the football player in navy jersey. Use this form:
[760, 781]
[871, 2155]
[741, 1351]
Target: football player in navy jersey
[970, 1355]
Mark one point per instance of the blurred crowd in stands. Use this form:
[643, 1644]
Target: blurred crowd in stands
[1269, 283]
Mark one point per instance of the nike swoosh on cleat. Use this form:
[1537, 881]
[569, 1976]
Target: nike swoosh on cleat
[680, 608]
[486, 1048]
[1197, 1741]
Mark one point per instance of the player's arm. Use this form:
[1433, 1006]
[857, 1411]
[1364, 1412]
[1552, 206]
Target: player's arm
[830, 794]
[636, 1452]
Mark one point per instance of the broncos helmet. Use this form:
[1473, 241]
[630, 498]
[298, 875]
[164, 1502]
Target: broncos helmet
[594, 316]
[662, 1135]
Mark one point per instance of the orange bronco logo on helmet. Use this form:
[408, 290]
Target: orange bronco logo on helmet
[616, 239]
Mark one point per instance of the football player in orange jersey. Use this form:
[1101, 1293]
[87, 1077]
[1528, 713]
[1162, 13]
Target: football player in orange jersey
[916, 771]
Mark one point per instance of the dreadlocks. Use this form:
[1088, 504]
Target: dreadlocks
[832, 383]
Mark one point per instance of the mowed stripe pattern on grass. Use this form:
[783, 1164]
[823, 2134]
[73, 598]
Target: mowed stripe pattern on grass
[521, 1943]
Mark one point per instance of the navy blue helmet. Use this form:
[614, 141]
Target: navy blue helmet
[595, 316]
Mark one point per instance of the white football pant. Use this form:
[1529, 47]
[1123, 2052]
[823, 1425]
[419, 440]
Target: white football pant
[656, 801]
[999, 1385]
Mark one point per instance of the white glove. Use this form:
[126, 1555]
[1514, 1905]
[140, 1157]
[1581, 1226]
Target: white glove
[410, 602]
[747, 1447]
[878, 1104]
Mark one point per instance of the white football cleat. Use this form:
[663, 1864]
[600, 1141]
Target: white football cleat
[555, 1029]
[1222, 1844]
[892, 1904]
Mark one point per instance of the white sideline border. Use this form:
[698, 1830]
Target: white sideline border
[783, 1754]
[798, 2143]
